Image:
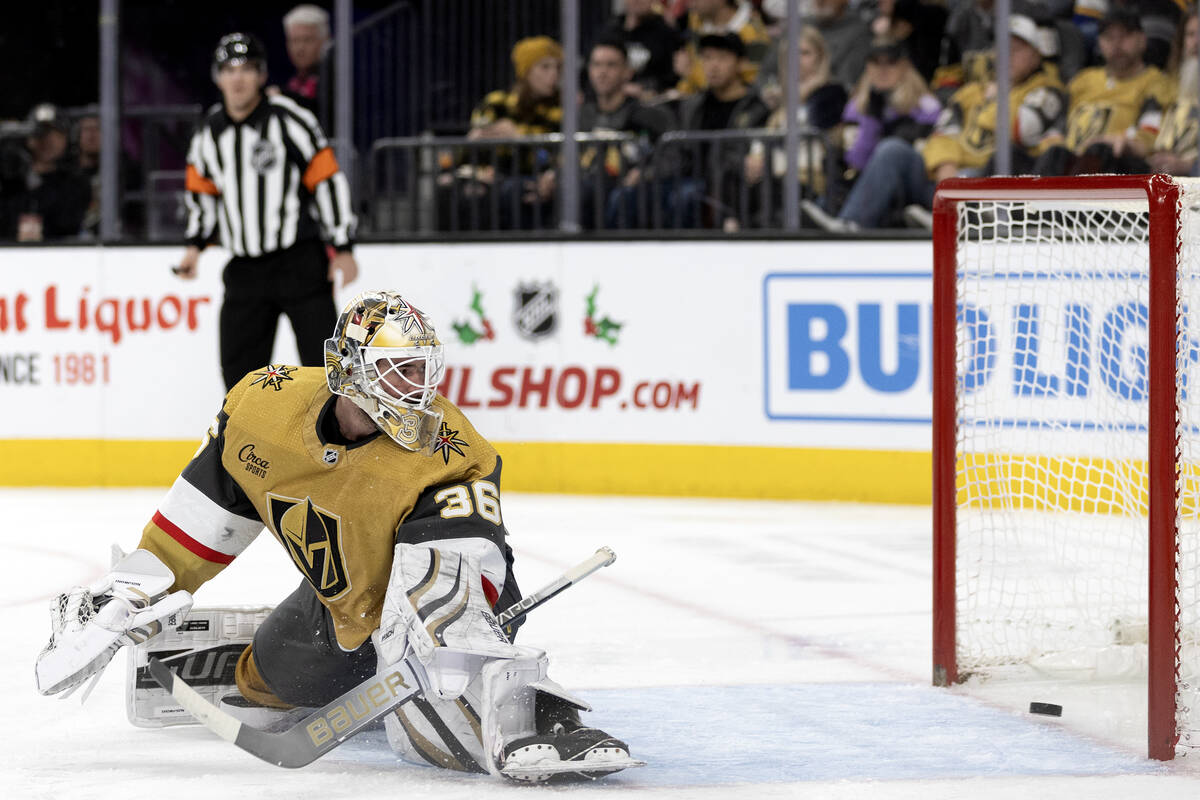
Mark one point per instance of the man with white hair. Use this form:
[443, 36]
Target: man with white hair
[306, 30]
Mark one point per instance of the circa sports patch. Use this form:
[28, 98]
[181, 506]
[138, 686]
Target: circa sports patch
[274, 376]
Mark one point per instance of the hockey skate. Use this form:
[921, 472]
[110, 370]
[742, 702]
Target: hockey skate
[569, 752]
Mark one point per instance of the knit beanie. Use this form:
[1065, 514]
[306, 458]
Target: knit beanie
[528, 52]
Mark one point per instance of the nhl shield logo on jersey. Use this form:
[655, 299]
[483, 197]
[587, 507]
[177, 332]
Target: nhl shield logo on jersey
[536, 310]
[331, 456]
[264, 156]
[273, 376]
[313, 537]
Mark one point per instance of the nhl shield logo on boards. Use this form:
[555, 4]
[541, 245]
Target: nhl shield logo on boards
[536, 310]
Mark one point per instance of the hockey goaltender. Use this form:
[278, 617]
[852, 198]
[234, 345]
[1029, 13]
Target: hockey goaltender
[388, 502]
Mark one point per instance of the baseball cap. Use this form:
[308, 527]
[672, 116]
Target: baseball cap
[45, 117]
[1040, 39]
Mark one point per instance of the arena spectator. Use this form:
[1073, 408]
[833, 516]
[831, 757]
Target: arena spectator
[710, 174]
[523, 177]
[651, 43]
[1115, 110]
[611, 175]
[1159, 19]
[87, 161]
[533, 104]
[306, 32]
[821, 103]
[1175, 147]
[964, 141]
[846, 35]
[85, 155]
[45, 197]
[708, 17]
[890, 110]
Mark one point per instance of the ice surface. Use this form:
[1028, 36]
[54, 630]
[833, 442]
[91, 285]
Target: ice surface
[745, 649]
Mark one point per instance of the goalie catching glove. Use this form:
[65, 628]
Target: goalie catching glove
[90, 624]
[481, 694]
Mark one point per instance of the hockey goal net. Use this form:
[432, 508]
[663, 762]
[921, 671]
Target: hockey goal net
[1066, 437]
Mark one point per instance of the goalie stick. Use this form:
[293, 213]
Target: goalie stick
[602, 558]
[329, 726]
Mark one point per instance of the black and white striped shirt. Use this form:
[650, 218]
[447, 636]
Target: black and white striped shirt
[266, 182]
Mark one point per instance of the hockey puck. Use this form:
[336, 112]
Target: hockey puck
[1048, 709]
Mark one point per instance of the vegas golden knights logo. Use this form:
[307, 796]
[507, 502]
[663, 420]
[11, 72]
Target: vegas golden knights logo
[313, 537]
[1087, 122]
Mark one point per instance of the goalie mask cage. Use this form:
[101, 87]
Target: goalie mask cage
[1066, 436]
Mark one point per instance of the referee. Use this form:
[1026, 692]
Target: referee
[260, 172]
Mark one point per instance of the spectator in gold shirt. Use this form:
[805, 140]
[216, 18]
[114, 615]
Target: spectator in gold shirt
[1115, 110]
[964, 141]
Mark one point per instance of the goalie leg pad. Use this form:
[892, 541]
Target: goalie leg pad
[442, 733]
[468, 732]
[204, 648]
[435, 608]
[480, 692]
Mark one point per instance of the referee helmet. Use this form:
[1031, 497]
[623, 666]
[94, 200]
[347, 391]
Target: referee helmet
[239, 48]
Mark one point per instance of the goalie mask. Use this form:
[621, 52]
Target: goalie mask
[385, 356]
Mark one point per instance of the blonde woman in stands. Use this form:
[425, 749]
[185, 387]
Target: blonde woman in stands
[890, 111]
[821, 102]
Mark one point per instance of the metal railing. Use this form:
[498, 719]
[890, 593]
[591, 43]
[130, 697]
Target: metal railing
[151, 196]
[688, 180]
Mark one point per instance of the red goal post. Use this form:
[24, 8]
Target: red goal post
[1085, 272]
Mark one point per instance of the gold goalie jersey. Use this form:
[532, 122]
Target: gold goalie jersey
[337, 510]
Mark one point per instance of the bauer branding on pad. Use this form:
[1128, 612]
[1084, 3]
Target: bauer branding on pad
[203, 650]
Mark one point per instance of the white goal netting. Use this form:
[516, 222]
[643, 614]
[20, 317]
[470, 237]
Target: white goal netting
[1052, 414]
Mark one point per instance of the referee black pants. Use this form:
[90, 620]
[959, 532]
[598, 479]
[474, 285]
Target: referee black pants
[294, 282]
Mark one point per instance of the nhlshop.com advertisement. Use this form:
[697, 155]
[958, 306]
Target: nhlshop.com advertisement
[586, 345]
